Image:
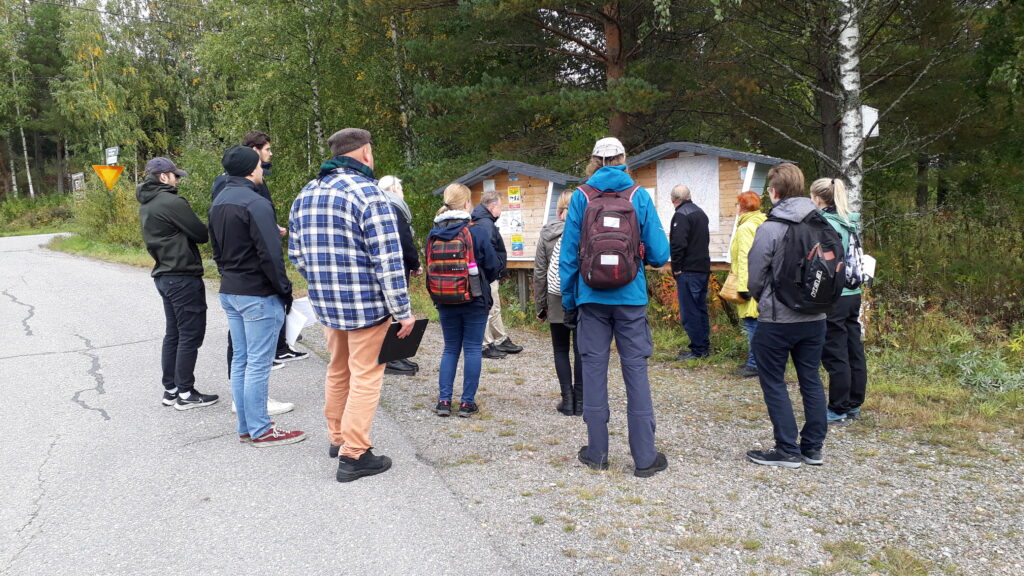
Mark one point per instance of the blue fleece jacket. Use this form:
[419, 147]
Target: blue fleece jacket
[576, 292]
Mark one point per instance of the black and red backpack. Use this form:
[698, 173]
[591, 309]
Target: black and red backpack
[448, 263]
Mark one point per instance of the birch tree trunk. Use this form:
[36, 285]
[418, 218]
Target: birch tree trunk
[14, 170]
[24, 149]
[851, 132]
[314, 88]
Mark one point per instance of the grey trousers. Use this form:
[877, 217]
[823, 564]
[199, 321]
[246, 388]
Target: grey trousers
[596, 325]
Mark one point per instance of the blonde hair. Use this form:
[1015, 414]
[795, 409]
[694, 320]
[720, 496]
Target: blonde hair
[832, 192]
[596, 162]
[562, 204]
[456, 196]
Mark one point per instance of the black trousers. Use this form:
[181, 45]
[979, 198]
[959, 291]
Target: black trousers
[282, 346]
[843, 356]
[185, 314]
[570, 375]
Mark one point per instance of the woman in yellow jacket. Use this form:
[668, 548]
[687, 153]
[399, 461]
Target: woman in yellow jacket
[750, 217]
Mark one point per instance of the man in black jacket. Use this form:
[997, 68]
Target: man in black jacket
[260, 143]
[689, 239]
[497, 344]
[172, 231]
[254, 291]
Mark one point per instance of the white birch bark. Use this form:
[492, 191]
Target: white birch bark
[851, 133]
[407, 137]
[24, 149]
[14, 169]
[314, 88]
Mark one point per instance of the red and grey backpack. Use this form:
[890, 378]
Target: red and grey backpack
[610, 252]
[448, 279]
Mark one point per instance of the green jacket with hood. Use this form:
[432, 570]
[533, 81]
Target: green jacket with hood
[170, 228]
[844, 227]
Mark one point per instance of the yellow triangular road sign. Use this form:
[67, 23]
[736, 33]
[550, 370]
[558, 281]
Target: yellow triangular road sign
[108, 174]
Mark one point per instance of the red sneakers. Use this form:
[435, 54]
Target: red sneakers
[275, 436]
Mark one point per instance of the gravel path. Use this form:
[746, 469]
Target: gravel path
[882, 503]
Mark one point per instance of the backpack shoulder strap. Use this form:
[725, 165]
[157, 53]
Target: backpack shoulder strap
[588, 191]
[629, 192]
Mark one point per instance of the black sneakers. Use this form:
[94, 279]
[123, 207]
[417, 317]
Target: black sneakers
[685, 354]
[195, 400]
[508, 347]
[467, 409]
[592, 464]
[350, 469]
[169, 398]
[491, 352]
[443, 408]
[812, 457]
[332, 451]
[774, 457]
[288, 354]
[660, 463]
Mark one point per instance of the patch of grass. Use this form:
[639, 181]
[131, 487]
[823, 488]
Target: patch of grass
[700, 543]
[898, 561]
[538, 520]
[519, 446]
[81, 246]
[751, 544]
[506, 432]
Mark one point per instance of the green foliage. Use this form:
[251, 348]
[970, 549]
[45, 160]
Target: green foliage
[110, 216]
[42, 213]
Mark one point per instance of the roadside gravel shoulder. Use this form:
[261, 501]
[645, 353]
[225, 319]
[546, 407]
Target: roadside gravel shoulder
[883, 503]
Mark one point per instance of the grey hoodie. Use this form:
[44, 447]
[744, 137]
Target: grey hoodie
[766, 254]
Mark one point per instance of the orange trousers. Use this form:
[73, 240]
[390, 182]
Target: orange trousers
[352, 386]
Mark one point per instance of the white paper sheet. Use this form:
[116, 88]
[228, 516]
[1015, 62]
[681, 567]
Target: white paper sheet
[301, 315]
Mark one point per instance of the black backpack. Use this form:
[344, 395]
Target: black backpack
[811, 277]
[610, 252]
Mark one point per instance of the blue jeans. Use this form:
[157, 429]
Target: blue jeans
[596, 325]
[463, 330]
[773, 345]
[254, 322]
[750, 327]
[692, 290]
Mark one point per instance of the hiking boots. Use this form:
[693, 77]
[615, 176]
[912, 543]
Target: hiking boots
[194, 400]
[660, 463]
[491, 352]
[350, 469]
[401, 368]
[773, 457]
[467, 409]
[443, 408]
[508, 347]
[592, 464]
[275, 436]
[746, 372]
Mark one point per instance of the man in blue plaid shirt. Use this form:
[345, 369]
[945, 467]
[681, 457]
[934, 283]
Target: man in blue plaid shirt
[343, 238]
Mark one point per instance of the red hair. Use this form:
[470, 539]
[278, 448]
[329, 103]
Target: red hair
[749, 201]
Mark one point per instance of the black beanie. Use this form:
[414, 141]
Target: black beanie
[240, 161]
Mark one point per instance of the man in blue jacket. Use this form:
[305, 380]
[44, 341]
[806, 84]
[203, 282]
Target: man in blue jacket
[621, 312]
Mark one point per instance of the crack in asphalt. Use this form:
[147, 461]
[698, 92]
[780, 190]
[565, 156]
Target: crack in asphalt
[36, 505]
[31, 311]
[94, 371]
[206, 439]
[81, 350]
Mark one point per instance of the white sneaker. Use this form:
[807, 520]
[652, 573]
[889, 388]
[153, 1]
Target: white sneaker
[273, 407]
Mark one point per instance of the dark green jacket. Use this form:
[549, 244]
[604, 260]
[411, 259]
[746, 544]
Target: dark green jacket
[170, 229]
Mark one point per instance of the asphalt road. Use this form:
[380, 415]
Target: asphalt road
[97, 477]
